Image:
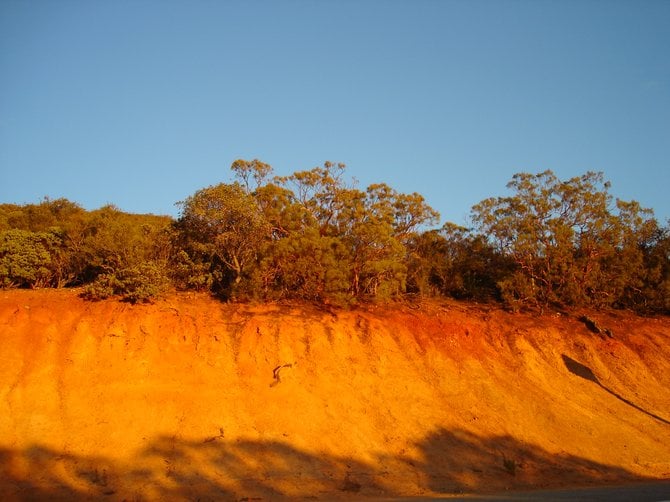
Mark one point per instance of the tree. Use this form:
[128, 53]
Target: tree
[404, 212]
[225, 226]
[26, 258]
[124, 255]
[454, 261]
[567, 241]
[374, 225]
[136, 284]
[245, 170]
[306, 266]
[282, 211]
[318, 191]
[654, 295]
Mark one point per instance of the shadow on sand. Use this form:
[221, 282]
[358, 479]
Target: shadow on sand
[585, 372]
[170, 468]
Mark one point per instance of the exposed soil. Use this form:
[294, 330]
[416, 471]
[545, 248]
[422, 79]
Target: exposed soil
[192, 399]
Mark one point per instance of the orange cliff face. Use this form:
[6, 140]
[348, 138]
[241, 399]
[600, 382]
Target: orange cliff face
[190, 398]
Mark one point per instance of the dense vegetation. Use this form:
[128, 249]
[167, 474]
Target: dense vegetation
[313, 236]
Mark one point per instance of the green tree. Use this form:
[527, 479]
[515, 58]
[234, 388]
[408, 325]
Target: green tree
[282, 211]
[567, 241]
[59, 217]
[374, 225]
[124, 254]
[453, 261]
[654, 295]
[306, 265]
[247, 170]
[404, 212]
[224, 225]
[378, 266]
[138, 283]
[26, 258]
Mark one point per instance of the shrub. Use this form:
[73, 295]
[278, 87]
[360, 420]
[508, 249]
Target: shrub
[26, 258]
[136, 284]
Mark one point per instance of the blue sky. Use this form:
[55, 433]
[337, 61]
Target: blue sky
[141, 103]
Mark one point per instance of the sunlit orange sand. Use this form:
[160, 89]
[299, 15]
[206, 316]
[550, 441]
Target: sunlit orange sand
[190, 398]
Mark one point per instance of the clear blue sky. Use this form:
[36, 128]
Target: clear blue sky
[140, 103]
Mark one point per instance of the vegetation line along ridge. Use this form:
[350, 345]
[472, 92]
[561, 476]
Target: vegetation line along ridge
[317, 237]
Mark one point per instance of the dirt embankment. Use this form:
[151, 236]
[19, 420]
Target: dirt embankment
[192, 399]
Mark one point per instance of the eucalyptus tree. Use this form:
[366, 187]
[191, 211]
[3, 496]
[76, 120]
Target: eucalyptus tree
[569, 241]
[655, 293]
[246, 170]
[224, 224]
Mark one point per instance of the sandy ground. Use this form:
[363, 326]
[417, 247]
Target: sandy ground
[192, 399]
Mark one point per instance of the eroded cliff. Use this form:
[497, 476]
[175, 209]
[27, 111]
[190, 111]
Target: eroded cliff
[190, 398]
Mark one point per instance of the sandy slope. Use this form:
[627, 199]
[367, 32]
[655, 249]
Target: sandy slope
[184, 399]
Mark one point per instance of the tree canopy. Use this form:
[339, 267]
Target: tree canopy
[314, 235]
[569, 242]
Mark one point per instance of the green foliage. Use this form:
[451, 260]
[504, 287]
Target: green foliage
[307, 235]
[453, 261]
[136, 284]
[113, 238]
[569, 245]
[654, 293]
[246, 170]
[306, 266]
[314, 236]
[26, 258]
[57, 243]
[223, 225]
[59, 217]
[80, 244]
[42, 217]
[189, 274]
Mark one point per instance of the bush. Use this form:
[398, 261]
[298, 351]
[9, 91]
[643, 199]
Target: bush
[189, 274]
[137, 284]
[26, 258]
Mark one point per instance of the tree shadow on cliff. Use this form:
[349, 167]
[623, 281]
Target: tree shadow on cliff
[266, 469]
[214, 468]
[582, 371]
[459, 461]
[39, 473]
[176, 469]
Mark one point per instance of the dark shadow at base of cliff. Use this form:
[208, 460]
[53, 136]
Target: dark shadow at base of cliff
[170, 468]
[461, 462]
